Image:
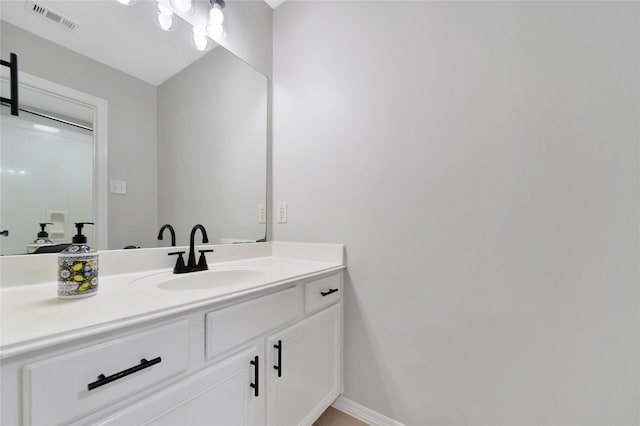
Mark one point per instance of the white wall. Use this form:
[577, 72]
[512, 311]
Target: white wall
[480, 162]
[132, 127]
[212, 148]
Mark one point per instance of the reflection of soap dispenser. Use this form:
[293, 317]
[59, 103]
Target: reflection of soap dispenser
[78, 268]
[42, 240]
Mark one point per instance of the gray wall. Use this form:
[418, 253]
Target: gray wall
[212, 143]
[480, 162]
[132, 127]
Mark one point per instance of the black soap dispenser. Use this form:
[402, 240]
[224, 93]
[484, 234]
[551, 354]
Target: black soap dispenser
[78, 268]
[42, 240]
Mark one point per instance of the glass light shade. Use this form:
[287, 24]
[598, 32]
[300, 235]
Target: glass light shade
[200, 39]
[164, 9]
[165, 18]
[183, 6]
[166, 22]
[216, 31]
[216, 16]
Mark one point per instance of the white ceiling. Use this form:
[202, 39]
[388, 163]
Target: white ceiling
[274, 3]
[123, 37]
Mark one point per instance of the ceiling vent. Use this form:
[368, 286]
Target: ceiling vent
[52, 16]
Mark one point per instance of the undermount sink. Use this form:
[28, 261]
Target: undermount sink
[213, 278]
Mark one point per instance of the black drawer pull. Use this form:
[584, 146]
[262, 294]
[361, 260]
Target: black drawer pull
[279, 366]
[331, 290]
[256, 377]
[102, 380]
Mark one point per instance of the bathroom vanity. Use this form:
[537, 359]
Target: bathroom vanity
[256, 340]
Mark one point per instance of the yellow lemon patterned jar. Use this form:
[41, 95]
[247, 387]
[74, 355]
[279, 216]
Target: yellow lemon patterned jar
[78, 268]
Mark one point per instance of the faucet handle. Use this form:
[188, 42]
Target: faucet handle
[180, 268]
[202, 261]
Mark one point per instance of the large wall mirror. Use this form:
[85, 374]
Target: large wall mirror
[185, 130]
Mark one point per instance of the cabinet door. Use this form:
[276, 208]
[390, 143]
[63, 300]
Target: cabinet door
[304, 365]
[219, 395]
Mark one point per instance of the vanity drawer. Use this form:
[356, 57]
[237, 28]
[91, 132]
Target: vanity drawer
[232, 326]
[56, 389]
[322, 292]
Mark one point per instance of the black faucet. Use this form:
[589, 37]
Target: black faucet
[173, 234]
[192, 256]
[191, 265]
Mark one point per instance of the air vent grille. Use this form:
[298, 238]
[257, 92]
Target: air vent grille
[55, 17]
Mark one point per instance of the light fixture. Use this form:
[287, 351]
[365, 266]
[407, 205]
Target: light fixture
[183, 6]
[170, 11]
[215, 29]
[200, 39]
[165, 18]
[216, 16]
[46, 128]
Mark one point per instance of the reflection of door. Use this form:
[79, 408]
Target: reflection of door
[47, 176]
[47, 171]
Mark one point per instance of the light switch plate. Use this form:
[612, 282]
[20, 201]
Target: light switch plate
[118, 186]
[262, 213]
[282, 212]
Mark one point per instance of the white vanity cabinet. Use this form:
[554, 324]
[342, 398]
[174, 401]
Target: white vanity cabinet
[303, 365]
[213, 365]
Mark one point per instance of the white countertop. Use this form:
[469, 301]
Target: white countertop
[31, 316]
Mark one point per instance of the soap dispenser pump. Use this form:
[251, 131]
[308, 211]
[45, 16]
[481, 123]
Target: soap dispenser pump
[78, 268]
[42, 240]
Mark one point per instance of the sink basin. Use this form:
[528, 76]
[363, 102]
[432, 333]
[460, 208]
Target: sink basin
[203, 280]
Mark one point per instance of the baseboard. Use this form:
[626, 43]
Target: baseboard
[363, 413]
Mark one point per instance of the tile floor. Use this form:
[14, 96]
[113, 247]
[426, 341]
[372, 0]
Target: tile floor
[333, 417]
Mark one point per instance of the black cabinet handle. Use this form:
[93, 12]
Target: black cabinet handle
[102, 380]
[331, 290]
[279, 366]
[256, 370]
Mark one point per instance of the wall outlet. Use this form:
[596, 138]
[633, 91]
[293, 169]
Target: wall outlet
[262, 213]
[282, 212]
[118, 187]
